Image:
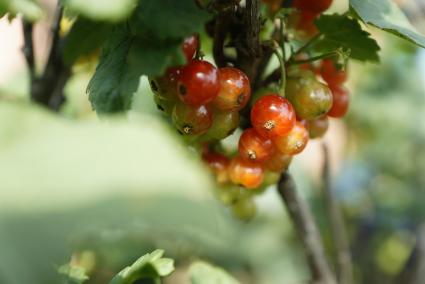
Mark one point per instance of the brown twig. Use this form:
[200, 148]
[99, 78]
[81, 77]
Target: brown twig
[248, 44]
[306, 228]
[344, 267]
[47, 89]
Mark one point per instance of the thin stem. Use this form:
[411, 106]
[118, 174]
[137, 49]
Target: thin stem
[306, 228]
[282, 71]
[338, 229]
[309, 44]
[314, 58]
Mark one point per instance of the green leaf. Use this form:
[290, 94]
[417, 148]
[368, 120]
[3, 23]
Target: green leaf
[84, 38]
[165, 19]
[150, 266]
[346, 33]
[112, 86]
[151, 58]
[205, 273]
[74, 274]
[29, 9]
[101, 10]
[386, 15]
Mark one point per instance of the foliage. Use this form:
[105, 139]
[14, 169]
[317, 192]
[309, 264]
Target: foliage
[150, 266]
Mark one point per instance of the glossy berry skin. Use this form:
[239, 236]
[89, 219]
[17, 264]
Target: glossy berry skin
[331, 74]
[191, 120]
[309, 97]
[314, 6]
[190, 46]
[218, 163]
[253, 147]
[235, 90]
[198, 83]
[341, 101]
[245, 173]
[278, 162]
[224, 124]
[164, 105]
[294, 142]
[317, 127]
[272, 115]
[166, 85]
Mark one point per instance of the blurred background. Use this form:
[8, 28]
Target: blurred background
[106, 191]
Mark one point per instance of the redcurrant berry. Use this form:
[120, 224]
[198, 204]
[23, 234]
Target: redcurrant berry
[189, 46]
[224, 125]
[314, 6]
[294, 142]
[310, 98]
[317, 127]
[341, 101]
[272, 116]
[245, 173]
[218, 164]
[191, 120]
[278, 162]
[302, 23]
[165, 86]
[235, 89]
[164, 105]
[198, 83]
[253, 147]
[331, 73]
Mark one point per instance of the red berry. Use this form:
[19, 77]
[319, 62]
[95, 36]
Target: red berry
[253, 147]
[302, 24]
[317, 127]
[310, 98]
[165, 86]
[164, 105]
[198, 83]
[224, 125]
[294, 142]
[341, 101]
[278, 162]
[314, 6]
[189, 46]
[191, 120]
[272, 116]
[218, 164]
[235, 89]
[330, 72]
[245, 173]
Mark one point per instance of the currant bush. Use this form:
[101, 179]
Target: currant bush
[207, 104]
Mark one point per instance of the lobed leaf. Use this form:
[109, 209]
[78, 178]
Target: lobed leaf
[386, 15]
[343, 32]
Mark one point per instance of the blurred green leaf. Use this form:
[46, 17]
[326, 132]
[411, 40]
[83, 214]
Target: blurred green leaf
[386, 15]
[205, 273]
[343, 32]
[150, 266]
[165, 19]
[29, 9]
[74, 274]
[40, 153]
[101, 10]
[84, 38]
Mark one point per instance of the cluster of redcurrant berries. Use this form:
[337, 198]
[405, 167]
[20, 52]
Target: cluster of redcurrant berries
[204, 101]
